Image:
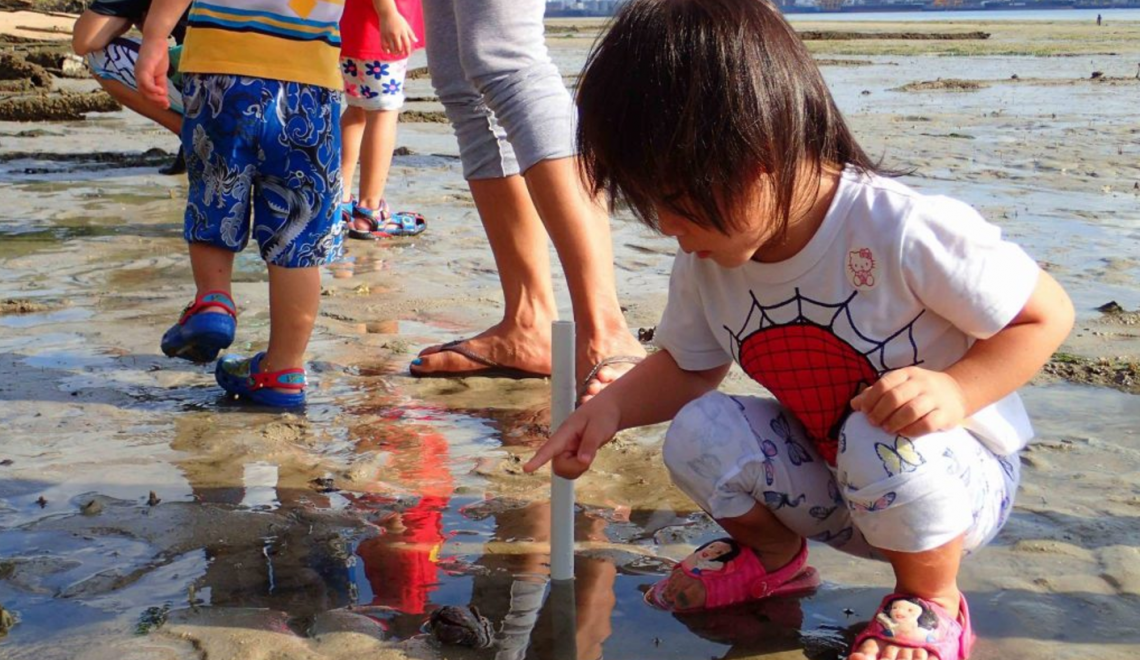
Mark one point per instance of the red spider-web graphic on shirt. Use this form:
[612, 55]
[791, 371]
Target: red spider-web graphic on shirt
[811, 356]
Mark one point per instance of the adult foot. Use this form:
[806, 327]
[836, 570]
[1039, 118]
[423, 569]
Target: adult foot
[499, 348]
[602, 359]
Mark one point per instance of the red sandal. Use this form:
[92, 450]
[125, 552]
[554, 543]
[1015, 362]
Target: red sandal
[916, 623]
[731, 574]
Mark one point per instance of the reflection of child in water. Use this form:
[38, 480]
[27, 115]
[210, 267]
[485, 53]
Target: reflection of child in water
[905, 618]
[401, 565]
[712, 556]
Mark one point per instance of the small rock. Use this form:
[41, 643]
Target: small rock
[1097, 74]
[324, 485]
[1015, 77]
[6, 462]
[92, 508]
[866, 92]
[42, 501]
[645, 335]
[153, 500]
[1110, 307]
[6, 621]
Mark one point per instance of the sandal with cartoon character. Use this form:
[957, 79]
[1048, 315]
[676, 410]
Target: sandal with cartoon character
[200, 337]
[731, 574]
[912, 622]
[244, 379]
[382, 223]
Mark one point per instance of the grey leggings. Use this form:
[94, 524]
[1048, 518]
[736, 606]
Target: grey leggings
[502, 94]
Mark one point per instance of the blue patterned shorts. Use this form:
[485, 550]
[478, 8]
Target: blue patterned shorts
[268, 146]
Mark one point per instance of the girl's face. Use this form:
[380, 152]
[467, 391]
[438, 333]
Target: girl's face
[904, 610]
[727, 250]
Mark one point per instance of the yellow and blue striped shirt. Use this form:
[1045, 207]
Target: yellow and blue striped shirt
[291, 40]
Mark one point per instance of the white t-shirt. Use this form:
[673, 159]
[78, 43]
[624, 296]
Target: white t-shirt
[891, 279]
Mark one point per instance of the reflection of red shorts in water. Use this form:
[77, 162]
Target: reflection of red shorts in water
[401, 567]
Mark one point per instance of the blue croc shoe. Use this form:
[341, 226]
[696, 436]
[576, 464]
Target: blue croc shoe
[243, 378]
[200, 337]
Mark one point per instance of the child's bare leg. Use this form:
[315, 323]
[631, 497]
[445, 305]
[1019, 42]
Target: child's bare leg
[352, 124]
[294, 297]
[775, 545]
[213, 271]
[168, 119]
[931, 575]
[376, 155]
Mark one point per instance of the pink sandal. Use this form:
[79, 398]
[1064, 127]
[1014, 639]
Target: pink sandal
[732, 574]
[916, 623]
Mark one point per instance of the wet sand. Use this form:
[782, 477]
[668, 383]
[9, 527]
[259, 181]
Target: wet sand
[331, 534]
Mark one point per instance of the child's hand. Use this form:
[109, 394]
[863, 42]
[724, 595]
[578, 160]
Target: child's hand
[396, 36]
[572, 448]
[151, 69]
[913, 402]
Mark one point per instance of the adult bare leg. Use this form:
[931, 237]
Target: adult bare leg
[579, 227]
[518, 242]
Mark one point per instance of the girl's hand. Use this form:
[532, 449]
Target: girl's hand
[396, 36]
[572, 448]
[913, 402]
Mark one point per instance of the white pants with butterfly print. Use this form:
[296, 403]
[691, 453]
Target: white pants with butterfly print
[730, 453]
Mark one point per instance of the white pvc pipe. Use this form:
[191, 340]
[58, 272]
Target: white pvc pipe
[563, 392]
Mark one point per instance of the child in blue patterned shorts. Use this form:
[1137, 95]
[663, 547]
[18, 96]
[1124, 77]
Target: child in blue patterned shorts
[261, 134]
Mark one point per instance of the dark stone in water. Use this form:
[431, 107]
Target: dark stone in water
[1110, 307]
[462, 626]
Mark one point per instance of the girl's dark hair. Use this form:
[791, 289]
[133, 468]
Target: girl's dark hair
[928, 619]
[684, 103]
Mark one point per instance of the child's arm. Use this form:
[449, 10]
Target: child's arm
[396, 35]
[94, 31]
[653, 391]
[915, 401]
[154, 60]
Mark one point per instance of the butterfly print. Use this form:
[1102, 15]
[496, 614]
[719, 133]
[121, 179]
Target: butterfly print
[796, 452]
[878, 505]
[899, 458]
[776, 500]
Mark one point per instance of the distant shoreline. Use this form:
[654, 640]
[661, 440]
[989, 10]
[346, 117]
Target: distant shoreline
[931, 6]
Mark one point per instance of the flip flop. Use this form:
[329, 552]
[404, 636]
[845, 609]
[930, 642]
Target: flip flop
[732, 574]
[490, 369]
[200, 337]
[614, 359]
[921, 624]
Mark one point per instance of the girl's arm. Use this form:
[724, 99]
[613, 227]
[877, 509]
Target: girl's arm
[652, 392]
[916, 401]
[396, 36]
